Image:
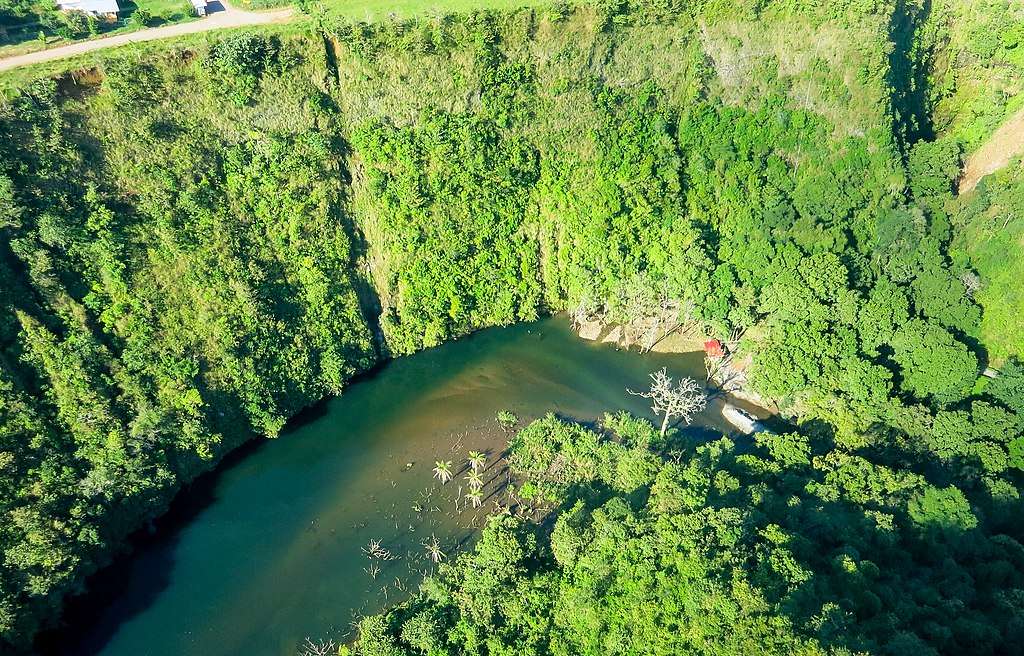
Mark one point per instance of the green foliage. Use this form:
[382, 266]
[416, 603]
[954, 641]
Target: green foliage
[978, 69]
[507, 418]
[558, 456]
[453, 263]
[236, 65]
[144, 337]
[933, 167]
[132, 83]
[945, 510]
[768, 551]
[21, 8]
[988, 240]
[933, 363]
[214, 240]
[141, 17]
[1008, 387]
[73, 24]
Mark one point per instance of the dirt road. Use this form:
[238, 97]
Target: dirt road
[226, 17]
[1005, 143]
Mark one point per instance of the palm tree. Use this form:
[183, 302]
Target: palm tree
[433, 548]
[476, 497]
[443, 470]
[475, 480]
[477, 460]
[375, 550]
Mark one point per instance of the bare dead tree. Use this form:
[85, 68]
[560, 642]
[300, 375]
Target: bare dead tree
[588, 308]
[971, 282]
[375, 550]
[318, 648]
[646, 311]
[683, 399]
[722, 375]
[712, 366]
[735, 335]
[658, 326]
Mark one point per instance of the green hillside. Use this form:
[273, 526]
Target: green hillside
[199, 242]
[990, 236]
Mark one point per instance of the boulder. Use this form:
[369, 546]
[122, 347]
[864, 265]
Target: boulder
[614, 336]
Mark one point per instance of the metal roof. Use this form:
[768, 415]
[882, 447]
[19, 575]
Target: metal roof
[91, 6]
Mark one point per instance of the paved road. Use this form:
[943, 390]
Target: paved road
[1005, 143]
[228, 17]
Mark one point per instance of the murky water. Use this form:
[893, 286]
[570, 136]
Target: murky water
[271, 547]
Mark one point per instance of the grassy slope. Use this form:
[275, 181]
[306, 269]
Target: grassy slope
[978, 68]
[991, 237]
[978, 81]
[378, 9]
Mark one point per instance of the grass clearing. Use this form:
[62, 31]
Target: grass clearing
[992, 240]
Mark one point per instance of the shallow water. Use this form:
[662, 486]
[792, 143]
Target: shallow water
[269, 548]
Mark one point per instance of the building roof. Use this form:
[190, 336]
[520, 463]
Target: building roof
[199, 4]
[91, 6]
[714, 349]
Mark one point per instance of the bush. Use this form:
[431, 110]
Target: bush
[140, 17]
[131, 82]
[74, 24]
[237, 64]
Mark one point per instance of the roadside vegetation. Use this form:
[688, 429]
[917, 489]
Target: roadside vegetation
[30, 25]
[370, 10]
[196, 244]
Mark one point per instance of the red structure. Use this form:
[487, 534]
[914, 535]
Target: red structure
[714, 349]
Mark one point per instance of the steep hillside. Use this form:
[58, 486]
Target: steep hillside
[198, 244]
[975, 50]
[975, 54]
[990, 236]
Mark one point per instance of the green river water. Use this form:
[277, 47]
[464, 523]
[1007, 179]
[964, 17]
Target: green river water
[268, 549]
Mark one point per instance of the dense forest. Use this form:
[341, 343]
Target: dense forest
[783, 545]
[198, 244]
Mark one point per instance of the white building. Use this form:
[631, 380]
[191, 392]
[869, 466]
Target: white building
[107, 8]
[200, 7]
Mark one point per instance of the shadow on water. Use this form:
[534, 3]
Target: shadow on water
[87, 620]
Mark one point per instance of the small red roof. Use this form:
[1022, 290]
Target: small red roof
[714, 349]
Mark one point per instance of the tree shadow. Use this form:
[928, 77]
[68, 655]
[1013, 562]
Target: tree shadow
[92, 618]
[908, 74]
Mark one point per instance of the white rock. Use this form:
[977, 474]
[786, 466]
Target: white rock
[590, 330]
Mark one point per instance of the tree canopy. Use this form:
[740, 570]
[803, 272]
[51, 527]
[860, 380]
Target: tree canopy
[196, 245]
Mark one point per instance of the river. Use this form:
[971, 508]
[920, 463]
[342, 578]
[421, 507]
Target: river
[270, 548]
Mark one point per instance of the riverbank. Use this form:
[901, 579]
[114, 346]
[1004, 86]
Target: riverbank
[729, 373]
[280, 530]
